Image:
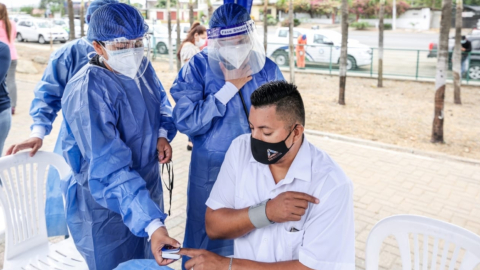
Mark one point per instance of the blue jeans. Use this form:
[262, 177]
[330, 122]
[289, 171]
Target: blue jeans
[5, 124]
[464, 66]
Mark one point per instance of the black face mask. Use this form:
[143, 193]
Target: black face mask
[269, 153]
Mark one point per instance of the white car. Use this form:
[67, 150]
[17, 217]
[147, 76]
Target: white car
[40, 30]
[323, 47]
[160, 36]
[65, 24]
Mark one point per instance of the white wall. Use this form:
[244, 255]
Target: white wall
[412, 19]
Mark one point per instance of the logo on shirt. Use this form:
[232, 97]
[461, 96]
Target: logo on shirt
[272, 154]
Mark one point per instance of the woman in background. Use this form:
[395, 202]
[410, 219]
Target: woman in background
[8, 33]
[193, 43]
[5, 113]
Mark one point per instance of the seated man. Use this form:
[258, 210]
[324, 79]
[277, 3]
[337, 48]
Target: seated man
[286, 203]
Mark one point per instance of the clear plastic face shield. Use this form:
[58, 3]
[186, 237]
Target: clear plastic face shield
[128, 58]
[235, 52]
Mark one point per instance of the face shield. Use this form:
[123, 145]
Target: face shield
[129, 58]
[235, 52]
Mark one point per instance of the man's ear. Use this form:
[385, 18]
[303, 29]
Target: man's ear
[298, 132]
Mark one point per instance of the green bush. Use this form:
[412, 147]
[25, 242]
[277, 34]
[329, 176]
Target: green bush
[271, 20]
[286, 23]
[387, 26]
[360, 25]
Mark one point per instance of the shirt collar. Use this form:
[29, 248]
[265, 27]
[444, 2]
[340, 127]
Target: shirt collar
[301, 167]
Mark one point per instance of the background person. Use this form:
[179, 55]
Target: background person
[8, 33]
[212, 101]
[300, 51]
[5, 112]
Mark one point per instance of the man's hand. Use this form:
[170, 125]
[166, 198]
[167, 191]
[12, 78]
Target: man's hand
[204, 260]
[164, 150]
[289, 206]
[34, 143]
[159, 239]
[242, 75]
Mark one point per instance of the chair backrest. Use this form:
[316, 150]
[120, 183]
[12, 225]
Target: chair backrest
[404, 226]
[22, 196]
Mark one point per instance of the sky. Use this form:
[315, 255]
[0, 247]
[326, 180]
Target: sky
[21, 3]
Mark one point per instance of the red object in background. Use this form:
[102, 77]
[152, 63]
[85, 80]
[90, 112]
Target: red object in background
[430, 46]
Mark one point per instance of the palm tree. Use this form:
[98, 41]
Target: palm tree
[265, 23]
[179, 64]
[190, 12]
[290, 39]
[438, 117]
[71, 24]
[170, 51]
[343, 53]
[457, 53]
[381, 28]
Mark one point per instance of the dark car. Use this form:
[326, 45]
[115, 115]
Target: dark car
[474, 67]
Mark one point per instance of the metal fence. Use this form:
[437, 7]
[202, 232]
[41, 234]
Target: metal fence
[363, 61]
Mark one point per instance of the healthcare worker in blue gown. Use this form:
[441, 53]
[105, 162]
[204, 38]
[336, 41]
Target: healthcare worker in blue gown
[116, 115]
[63, 64]
[212, 95]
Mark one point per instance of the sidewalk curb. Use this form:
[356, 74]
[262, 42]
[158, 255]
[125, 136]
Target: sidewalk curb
[392, 147]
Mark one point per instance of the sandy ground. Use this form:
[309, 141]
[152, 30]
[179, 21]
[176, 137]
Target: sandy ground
[401, 113]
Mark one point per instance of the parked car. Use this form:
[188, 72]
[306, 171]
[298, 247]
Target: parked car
[474, 67]
[40, 30]
[160, 36]
[65, 24]
[18, 17]
[323, 47]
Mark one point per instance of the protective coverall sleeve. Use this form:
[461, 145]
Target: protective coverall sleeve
[194, 112]
[49, 91]
[92, 119]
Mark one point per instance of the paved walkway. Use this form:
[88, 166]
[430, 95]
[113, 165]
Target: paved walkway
[386, 183]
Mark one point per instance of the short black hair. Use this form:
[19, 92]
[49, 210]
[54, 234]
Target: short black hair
[464, 37]
[286, 98]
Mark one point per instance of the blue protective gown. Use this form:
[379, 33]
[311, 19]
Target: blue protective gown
[63, 64]
[212, 127]
[112, 127]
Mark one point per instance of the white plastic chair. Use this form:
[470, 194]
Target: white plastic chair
[22, 196]
[401, 226]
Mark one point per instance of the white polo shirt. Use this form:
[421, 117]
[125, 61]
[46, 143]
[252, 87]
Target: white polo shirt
[325, 238]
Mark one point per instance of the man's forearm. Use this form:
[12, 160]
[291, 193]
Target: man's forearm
[239, 264]
[227, 223]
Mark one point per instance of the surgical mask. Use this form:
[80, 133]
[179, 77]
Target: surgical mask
[269, 153]
[463, 41]
[126, 61]
[236, 55]
[200, 42]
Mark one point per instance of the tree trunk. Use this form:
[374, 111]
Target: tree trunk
[169, 25]
[291, 48]
[445, 22]
[394, 15]
[343, 53]
[179, 63]
[333, 17]
[265, 24]
[146, 9]
[82, 18]
[210, 9]
[381, 28]
[71, 24]
[457, 54]
[190, 12]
